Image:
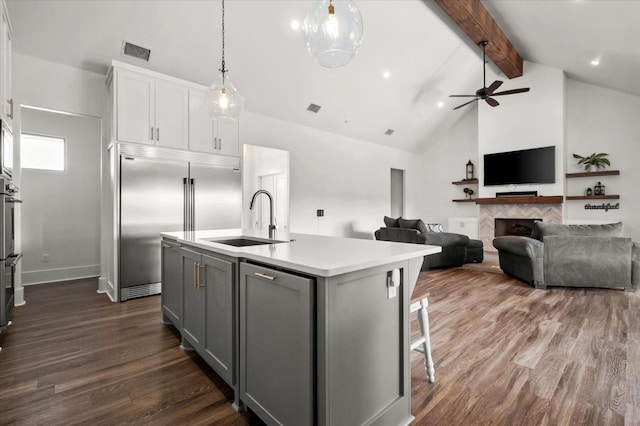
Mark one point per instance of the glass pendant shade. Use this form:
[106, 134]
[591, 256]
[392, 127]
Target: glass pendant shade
[223, 100]
[333, 32]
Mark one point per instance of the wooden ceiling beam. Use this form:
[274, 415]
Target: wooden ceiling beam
[472, 17]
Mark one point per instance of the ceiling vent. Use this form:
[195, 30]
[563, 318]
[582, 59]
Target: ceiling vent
[389, 132]
[314, 108]
[134, 51]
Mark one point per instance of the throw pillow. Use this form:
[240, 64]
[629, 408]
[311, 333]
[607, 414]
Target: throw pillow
[412, 224]
[435, 227]
[390, 222]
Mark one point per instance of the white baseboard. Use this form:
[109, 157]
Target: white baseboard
[59, 274]
[106, 287]
[18, 297]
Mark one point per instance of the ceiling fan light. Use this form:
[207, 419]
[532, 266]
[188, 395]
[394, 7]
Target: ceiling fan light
[333, 32]
[223, 100]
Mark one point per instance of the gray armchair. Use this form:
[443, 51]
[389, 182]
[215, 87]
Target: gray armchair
[572, 256]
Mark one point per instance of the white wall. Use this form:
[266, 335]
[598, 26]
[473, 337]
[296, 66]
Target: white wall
[45, 84]
[61, 209]
[445, 162]
[603, 120]
[525, 120]
[348, 178]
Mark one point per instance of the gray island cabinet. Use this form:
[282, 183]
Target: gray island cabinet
[306, 329]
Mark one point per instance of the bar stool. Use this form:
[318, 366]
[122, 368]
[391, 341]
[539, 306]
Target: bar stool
[423, 343]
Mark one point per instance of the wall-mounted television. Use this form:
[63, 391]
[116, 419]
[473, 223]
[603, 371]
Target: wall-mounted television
[537, 165]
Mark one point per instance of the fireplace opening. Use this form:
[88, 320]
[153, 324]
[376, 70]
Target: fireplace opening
[520, 226]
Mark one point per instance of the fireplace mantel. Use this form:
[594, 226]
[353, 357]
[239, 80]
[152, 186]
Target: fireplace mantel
[553, 199]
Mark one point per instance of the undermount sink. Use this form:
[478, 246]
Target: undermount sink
[243, 241]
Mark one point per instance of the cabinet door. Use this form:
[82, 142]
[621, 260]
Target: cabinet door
[276, 345]
[201, 126]
[219, 288]
[193, 299]
[135, 115]
[172, 115]
[228, 139]
[171, 284]
[5, 68]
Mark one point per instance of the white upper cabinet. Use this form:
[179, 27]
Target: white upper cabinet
[135, 107]
[201, 126]
[172, 115]
[6, 40]
[150, 110]
[208, 135]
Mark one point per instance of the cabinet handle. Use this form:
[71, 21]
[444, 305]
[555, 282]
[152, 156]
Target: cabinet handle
[265, 276]
[200, 283]
[152, 133]
[10, 102]
[195, 275]
[219, 143]
[158, 134]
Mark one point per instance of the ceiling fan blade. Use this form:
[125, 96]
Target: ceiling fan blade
[493, 87]
[466, 103]
[463, 96]
[492, 102]
[511, 92]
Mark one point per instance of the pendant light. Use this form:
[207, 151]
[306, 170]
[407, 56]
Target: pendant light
[223, 99]
[333, 32]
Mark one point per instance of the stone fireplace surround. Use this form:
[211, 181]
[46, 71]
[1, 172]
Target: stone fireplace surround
[489, 212]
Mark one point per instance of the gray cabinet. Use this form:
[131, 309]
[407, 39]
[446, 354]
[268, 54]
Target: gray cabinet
[276, 345]
[171, 284]
[193, 301]
[219, 315]
[209, 310]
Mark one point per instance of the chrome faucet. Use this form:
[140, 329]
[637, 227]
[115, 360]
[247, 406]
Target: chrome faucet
[272, 226]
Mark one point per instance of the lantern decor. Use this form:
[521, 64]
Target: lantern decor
[589, 192]
[598, 189]
[469, 171]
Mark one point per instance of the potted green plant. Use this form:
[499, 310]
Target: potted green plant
[596, 160]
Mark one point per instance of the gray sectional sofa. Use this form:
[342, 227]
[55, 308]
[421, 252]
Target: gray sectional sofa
[572, 256]
[457, 249]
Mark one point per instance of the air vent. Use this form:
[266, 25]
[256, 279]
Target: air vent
[389, 132]
[134, 51]
[314, 108]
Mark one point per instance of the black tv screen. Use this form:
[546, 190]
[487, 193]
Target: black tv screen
[537, 165]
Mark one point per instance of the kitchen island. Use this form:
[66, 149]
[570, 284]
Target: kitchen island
[306, 329]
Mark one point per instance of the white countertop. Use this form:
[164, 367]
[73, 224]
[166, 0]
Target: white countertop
[313, 254]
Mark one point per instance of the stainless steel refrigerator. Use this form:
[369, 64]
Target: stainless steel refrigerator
[158, 195]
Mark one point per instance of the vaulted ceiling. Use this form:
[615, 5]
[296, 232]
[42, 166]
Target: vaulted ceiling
[427, 57]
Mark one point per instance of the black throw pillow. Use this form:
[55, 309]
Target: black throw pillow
[390, 222]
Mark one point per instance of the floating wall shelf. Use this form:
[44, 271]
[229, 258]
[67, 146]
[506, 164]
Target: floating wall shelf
[593, 197]
[590, 174]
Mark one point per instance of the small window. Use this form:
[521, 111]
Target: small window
[41, 152]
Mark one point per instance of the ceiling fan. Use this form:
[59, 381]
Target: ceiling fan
[486, 93]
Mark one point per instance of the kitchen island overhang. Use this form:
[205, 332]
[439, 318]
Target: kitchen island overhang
[352, 343]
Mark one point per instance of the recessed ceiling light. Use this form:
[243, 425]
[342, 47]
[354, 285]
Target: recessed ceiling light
[595, 62]
[386, 75]
[440, 104]
[294, 24]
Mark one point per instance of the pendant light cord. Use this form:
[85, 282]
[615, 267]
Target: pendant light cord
[223, 69]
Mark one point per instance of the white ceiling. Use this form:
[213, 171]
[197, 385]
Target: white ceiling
[269, 65]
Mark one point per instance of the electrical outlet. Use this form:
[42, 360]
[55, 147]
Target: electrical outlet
[45, 257]
[320, 212]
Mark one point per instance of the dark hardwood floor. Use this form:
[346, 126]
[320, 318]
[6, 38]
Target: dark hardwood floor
[505, 354]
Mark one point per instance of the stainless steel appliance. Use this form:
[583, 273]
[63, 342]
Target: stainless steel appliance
[8, 257]
[6, 150]
[161, 195]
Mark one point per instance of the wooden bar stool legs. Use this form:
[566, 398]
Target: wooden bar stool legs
[423, 343]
